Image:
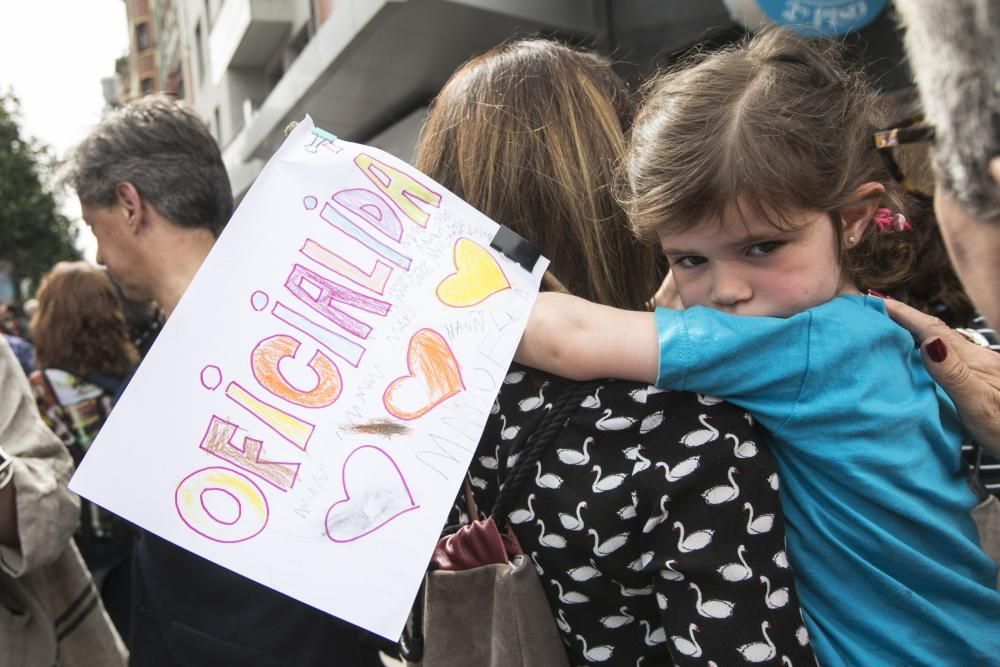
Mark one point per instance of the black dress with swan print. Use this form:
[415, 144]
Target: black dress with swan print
[654, 523]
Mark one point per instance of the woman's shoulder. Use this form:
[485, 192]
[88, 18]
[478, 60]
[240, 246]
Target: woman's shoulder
[620, 410]
[621, 397]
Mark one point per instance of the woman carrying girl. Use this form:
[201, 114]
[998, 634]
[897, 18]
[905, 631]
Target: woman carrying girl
[636, 567]
[754, 171]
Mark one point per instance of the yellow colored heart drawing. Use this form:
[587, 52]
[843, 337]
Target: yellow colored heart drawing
[477, 276]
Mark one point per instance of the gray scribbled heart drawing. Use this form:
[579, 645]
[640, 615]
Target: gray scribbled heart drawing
[374, 494]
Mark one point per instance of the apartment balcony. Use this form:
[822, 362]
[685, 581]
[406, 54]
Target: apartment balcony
[247, 32]
[373, 62]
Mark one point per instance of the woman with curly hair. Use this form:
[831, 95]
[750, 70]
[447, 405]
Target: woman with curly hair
[83, 353]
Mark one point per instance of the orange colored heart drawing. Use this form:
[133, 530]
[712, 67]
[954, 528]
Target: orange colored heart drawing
[434, 377]
[477, 276]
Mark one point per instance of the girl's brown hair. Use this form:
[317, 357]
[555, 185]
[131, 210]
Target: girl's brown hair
[530, 133]
[774, 124]
[80, 326]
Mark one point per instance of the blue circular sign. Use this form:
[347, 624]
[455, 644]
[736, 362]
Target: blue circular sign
[822, 18]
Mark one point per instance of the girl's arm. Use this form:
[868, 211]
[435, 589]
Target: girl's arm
[580, 340]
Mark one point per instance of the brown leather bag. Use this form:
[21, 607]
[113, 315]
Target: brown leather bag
[481, 602]
[484, 604]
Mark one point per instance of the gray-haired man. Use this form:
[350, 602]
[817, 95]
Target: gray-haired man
[154, 189]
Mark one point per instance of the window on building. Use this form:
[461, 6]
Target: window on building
[175, 82]
[146, 86]
[218, 124]
[141, 36]
[199, 58]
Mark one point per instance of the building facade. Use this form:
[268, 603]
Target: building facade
[365, 70]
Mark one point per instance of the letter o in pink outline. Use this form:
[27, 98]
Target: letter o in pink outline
[195, 515]
[230, 495]
[211, 377]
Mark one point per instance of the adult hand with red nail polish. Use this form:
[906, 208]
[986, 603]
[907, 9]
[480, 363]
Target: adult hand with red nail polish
[970, 374]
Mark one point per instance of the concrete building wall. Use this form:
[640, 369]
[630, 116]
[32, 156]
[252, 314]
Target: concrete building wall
[366, 69]
[142, 52]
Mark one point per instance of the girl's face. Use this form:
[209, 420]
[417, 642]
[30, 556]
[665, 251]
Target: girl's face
[746, 266]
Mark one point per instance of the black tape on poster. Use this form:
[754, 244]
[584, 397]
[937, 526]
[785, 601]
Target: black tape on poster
[516, 248]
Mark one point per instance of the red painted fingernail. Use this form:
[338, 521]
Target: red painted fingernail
[937, 351]
[876, 293]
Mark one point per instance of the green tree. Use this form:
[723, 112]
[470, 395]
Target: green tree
[34, 235]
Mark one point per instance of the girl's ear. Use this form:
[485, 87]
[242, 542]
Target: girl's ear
[857, 216]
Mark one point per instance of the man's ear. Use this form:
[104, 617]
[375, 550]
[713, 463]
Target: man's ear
[131, 204]
[857, 216]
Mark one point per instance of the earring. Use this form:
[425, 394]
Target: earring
[851, 241]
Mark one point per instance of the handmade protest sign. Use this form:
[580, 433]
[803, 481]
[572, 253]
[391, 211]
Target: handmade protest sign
[307, 414]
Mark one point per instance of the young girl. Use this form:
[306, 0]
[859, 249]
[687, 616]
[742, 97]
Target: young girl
[755, 172]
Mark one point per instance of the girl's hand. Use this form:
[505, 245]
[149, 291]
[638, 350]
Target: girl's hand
[969, 373]
[667, 296]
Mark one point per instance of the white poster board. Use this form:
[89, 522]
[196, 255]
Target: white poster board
[309, 410]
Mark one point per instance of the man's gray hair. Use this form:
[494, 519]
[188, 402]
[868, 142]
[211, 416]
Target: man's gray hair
[166, 151]
[954, 51]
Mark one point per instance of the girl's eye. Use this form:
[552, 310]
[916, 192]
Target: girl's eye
[688, 261]
[765, 248]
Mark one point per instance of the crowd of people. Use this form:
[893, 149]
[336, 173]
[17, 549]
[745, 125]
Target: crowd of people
[776, 474]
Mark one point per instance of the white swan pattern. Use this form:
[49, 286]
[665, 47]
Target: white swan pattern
[638, 563]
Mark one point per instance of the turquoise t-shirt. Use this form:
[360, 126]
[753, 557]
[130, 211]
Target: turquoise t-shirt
[886, 556]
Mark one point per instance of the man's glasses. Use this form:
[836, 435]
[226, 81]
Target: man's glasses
[905, 149]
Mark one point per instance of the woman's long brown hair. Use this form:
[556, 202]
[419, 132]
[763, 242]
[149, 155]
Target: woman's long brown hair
[80, 326]
[530, 133]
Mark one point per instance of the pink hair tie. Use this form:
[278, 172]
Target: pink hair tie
[890, 222]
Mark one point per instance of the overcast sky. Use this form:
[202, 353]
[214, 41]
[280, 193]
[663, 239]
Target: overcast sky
[53, 54]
